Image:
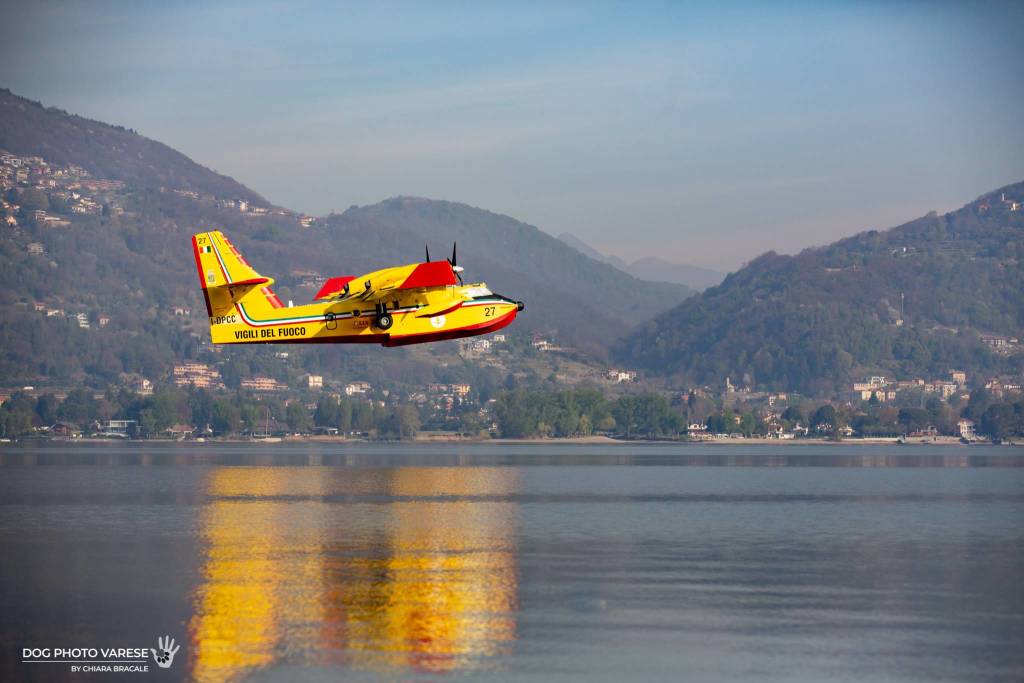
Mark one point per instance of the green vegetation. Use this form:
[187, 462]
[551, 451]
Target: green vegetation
[811, 323]
[819, 320]
[131, 261]
[228, 414]
[401, 421]
[526, 413]
[587, 302]
[28, 128]
[516, 413]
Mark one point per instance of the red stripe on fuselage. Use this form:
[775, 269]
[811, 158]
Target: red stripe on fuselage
[457, 305]
[458, 333]
[385, 339]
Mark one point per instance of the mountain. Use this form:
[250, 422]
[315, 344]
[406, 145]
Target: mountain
[695, 277]
[95, 226]
[816, 321]
[27, 128]
[584, 248]
[651, 267]
[587, 302]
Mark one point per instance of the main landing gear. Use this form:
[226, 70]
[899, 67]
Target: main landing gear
[383, 321]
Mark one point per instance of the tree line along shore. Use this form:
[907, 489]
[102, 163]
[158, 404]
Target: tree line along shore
[580, 413]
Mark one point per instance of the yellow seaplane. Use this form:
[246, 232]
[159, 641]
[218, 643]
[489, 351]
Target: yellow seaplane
[411, 304]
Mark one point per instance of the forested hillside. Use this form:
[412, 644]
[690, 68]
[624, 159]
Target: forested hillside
[588, 302]
[816, 321]
[28, 128]
[96, 222]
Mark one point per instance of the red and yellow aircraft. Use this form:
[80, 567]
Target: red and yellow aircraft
[411, 304]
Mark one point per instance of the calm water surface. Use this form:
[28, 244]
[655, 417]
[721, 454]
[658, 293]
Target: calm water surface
[597, 563]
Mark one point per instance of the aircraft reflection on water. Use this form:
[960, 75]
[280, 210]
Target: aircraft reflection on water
[426, 581]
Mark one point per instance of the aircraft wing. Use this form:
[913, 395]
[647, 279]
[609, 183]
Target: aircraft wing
[334, 287]
[383, 283]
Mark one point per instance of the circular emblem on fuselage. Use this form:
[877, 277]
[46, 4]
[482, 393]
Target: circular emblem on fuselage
[437, 321]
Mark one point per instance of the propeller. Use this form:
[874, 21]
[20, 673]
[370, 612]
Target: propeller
[453, 262]
[426, 247]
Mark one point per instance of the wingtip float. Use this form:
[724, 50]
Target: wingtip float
[410, 304]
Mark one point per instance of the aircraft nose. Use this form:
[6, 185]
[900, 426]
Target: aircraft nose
[519, 306]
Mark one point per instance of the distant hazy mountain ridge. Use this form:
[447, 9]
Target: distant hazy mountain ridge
[651, 267]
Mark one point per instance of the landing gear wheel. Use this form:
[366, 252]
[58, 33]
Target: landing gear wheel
[384, 321]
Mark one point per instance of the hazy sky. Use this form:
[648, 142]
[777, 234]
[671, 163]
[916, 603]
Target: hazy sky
[703, 133]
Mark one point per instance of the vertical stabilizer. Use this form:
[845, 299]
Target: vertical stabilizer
[227, 278]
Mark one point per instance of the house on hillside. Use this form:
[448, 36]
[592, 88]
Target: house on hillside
[196, 374]
[619, 376]
[353, 388]
[263, 383]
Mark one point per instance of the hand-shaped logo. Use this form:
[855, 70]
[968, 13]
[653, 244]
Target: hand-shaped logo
[165, 655]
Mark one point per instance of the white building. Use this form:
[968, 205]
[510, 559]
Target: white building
[618, 376]
[354, 388]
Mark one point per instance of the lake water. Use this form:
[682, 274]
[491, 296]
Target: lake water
[515, 563]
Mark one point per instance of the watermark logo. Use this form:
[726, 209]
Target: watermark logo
[165, 655]
[105, 659]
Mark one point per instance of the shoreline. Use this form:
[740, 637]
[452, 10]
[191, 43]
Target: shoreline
[753, 441]
[549, 441]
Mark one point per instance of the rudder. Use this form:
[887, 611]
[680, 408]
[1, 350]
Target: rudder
[224, 274]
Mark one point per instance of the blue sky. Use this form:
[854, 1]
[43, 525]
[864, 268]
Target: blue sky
[702, 133]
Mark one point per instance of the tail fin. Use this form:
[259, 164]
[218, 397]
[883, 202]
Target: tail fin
[224, 274]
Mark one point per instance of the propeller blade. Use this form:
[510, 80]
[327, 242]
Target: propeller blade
[453, 262]
[427, 248]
